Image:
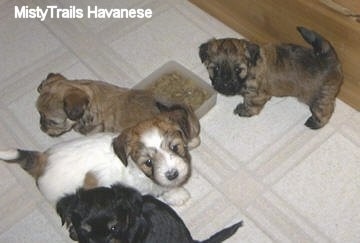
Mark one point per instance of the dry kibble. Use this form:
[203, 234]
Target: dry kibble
[176, 88]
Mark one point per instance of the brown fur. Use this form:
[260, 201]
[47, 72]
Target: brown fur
[90, 106]
[40, 166]
[178, 123]
[90, 181]
[33, 162]
[258, 72]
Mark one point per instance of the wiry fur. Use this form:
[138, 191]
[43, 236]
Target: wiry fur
[258, 72]
[105, 158]
[121, 214]
[89, 106]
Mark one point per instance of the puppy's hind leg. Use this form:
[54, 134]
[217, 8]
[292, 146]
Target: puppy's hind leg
[321, 108]
[321, 113]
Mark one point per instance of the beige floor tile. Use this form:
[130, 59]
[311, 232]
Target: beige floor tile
[325, 188]
[181, 45]
[16, 38]
[245, 137]
[242, 188]
[288, 183]
[40, 231]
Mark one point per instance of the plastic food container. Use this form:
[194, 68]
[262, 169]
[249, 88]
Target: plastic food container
[173, 83]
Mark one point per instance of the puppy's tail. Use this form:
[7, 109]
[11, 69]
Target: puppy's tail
[224, 234]
[32, 162]
[321, 46]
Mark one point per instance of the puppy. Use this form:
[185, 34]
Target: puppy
[121, 214]
[257, 72]
[90, 106]
[152, 156]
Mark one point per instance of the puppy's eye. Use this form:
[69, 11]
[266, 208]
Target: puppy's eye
[49, 122]
[238, 69]
[115, 229]
[52, 122]
[149, 163]
[216, 68]
[174, 148]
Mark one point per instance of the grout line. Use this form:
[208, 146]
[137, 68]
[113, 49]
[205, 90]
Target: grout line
[295, 213]
[19, 78]
[304, 155]
[107, 34]
[21, 136]
[68, 32]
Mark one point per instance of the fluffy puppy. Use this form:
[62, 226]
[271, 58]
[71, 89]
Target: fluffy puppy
[257, 72]
[121, 214]
[90, 106]
[152, 156]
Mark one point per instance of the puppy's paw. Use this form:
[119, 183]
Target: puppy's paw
[313, 123]
[176, 196]
[72, 233]
[241, 110]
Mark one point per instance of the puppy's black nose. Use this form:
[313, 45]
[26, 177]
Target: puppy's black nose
[171, 174]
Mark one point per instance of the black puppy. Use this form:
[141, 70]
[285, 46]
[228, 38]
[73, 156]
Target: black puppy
[121, 214]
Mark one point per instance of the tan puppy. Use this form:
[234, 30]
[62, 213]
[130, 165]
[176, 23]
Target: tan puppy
[90, 106]
[152, 156]
[258, 72]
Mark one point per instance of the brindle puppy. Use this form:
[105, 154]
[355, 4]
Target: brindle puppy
[89, 106]
[257, 72]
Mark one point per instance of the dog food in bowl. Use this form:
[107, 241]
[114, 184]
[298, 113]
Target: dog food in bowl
[174, 83]
[176, 88]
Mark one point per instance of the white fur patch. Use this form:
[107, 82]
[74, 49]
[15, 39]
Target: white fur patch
[177, 196]
[69, 162]
[152, 138]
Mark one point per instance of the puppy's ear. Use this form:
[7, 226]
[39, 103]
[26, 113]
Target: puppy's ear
[129, 198]
[121, 146]
[51, 77]
[64, 208]
[134, 225]
[252, 52]
[204, 52]
[185, 117]
[75, 103]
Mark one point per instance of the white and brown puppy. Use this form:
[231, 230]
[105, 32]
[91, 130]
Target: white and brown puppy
[89, 106]
[152, 156]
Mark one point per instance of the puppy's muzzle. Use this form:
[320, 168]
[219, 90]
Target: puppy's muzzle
[172, 174]
[225, 88]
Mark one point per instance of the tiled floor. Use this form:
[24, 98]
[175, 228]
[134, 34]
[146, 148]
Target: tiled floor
[288, 183]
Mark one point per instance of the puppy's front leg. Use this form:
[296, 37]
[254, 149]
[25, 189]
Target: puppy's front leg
[176, 197]
[96, 129]
[89, 129]
[253, 103]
